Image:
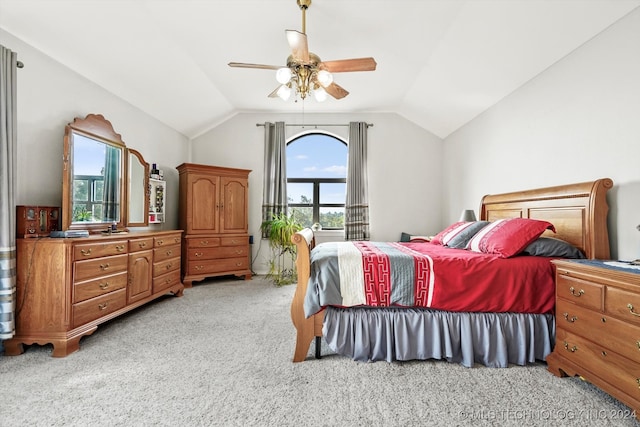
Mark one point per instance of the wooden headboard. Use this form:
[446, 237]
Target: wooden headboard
[577, 211]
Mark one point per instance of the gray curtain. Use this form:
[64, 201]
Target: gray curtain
[111, 185]
[356, 223]
[8, 160]
[274, 189]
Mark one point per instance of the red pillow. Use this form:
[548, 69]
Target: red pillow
[508, 237]
[443, 237]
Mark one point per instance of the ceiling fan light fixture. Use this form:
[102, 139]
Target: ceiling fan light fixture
[320, 94]
[283, 75]
[284, 92]
[325, 78]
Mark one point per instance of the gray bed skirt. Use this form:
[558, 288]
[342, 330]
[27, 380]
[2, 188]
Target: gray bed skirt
[492, 339]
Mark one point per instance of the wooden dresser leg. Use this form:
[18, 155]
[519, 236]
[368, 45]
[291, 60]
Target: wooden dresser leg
[13, 347]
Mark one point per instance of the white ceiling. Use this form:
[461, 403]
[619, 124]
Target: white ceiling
[440, 62]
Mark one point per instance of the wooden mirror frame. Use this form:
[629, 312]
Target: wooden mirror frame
[137, 190]
[95, 126]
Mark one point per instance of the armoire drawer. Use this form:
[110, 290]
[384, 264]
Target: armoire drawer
[215, 253]
[218, 265]
[203, 242]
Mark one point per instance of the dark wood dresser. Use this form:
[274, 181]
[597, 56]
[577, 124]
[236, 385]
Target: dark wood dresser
[598, 327]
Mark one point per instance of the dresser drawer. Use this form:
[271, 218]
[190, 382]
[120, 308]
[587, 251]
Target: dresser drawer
[95, 268]
[623, 304]
[97, 307]
[203, 242]
[168, 240]
[619, 336]
[162, 267]
[218, 265]
[234, 241]
[215, 253]
[166, 281]
[140, 244]
[99, 249]
[161, 254]
[604, 363]
[579, 291]
[96, 287]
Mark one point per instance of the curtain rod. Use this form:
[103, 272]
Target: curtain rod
[316, 125]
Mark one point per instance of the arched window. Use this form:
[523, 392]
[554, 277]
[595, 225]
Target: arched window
[317, 179]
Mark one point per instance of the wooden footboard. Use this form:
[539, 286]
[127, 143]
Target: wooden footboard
[307, 328]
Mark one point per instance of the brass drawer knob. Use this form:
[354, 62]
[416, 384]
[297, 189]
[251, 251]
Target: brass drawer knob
[104, 285]
[103, 306]
[85, 252]
[104, 266]
[573, 349]
[570, 320]
[573, 292]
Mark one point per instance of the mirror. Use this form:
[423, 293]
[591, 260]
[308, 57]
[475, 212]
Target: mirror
[101, 178]
[138, 189]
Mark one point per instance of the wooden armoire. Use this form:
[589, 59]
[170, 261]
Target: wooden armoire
[215, 218]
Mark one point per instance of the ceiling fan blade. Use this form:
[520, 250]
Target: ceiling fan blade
[274, 94]
[346, 65]
[261, 66]
[337, 91]
[299, 47]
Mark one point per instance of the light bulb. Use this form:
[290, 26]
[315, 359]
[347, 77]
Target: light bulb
[320, 94]
[284, 92]
[325, 78]
[283, 75]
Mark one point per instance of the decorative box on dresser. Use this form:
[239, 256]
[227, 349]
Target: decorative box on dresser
[214, 214]
[598, 327]
[67, 287]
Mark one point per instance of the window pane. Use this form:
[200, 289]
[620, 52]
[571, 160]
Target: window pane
[80, 189]
[299, 192]
[332, 217]
[316, 156]
[98, 187]
[304, 216]
[333, 193]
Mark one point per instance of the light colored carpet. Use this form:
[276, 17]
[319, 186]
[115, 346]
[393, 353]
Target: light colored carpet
[221, 355]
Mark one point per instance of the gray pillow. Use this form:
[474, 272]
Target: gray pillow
[461, 239]
[552, 247]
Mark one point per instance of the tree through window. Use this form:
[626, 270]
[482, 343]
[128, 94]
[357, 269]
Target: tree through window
[317, 180]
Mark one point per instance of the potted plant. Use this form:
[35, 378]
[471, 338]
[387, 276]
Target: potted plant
[279, 230]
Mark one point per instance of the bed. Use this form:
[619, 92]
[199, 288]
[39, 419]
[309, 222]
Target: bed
[489, 326]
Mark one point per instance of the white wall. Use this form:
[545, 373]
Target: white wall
[403, 160]
[50, 96]
[577, 121]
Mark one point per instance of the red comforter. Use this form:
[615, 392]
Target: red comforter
[349, 274]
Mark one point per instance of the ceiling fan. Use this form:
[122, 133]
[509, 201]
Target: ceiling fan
[305, 73]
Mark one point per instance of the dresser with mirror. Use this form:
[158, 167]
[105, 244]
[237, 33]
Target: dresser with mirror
[99, 268]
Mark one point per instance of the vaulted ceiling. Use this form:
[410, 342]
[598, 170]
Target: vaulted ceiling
[440, 62]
